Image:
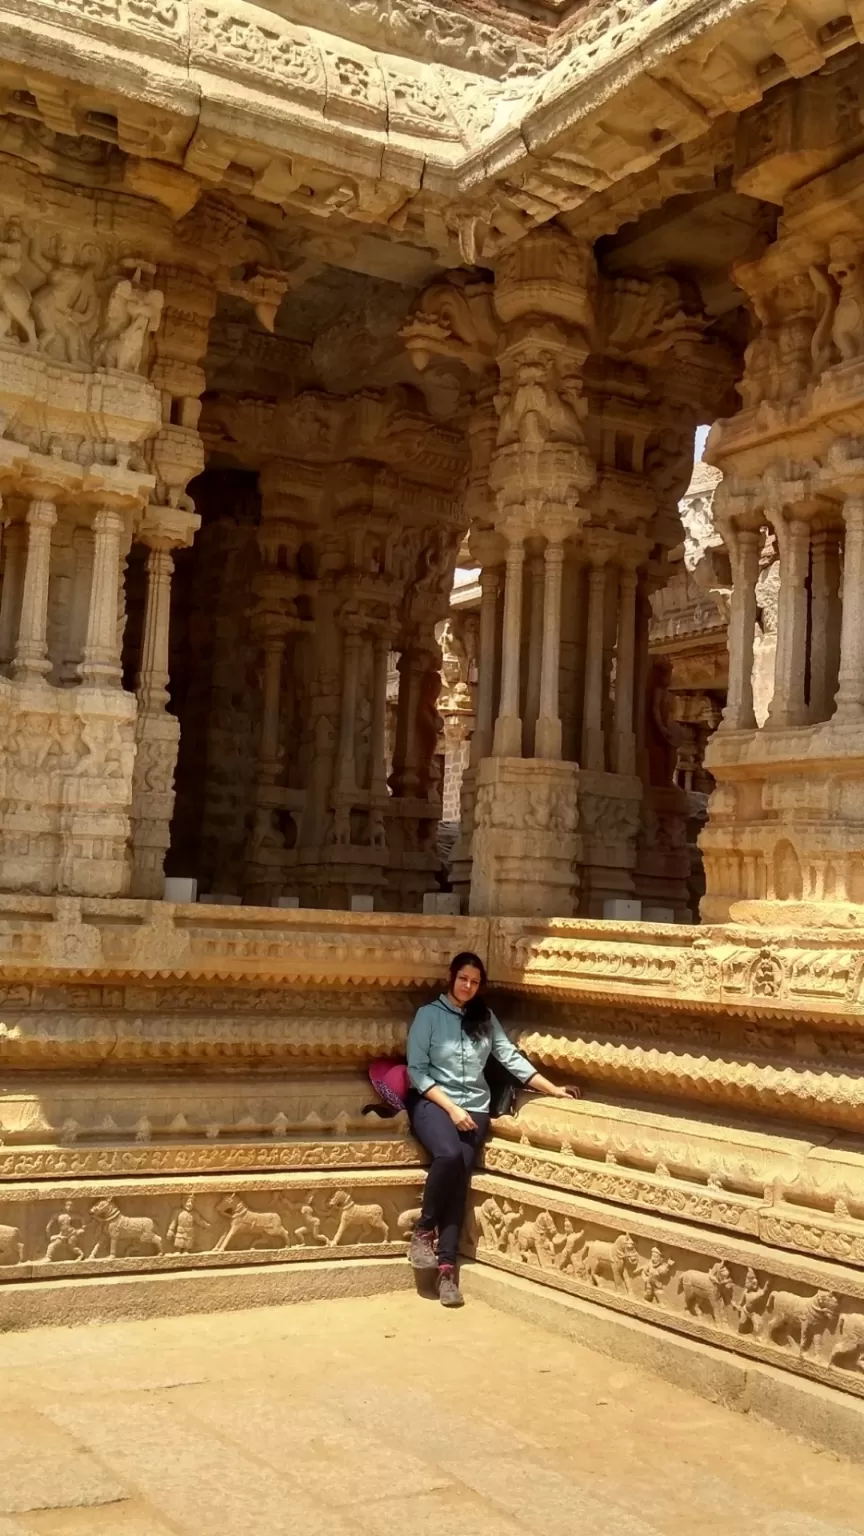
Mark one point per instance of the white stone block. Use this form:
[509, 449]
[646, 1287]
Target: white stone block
[621, 911]
[362, 903]
[658, 914]
[287, 901]
[440, 904]
[180, 888]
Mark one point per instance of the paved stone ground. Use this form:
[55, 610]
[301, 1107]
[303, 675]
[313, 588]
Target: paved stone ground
[369, 1416]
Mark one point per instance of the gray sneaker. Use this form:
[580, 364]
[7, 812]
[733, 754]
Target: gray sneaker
[421, 1250]
[449, 1293]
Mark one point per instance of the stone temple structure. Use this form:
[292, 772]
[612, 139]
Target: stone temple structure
[295, 299]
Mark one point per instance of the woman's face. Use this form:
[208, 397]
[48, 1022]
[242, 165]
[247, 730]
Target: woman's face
[466, 983]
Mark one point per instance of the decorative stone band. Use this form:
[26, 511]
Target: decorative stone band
[79, 1228]
[797, 1313]
[721, 970]
[82, 1161]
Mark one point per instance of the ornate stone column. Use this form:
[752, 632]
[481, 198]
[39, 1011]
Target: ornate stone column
[536, 575]
[788, 708]
[624, 737]
[850, 692]
[487, 663]
[15, 547]
[593, 741]
[508, 727]
[31, 651]
[157, 733]
[100, 666]
[744, 545]
[825, 618]
[547, 737]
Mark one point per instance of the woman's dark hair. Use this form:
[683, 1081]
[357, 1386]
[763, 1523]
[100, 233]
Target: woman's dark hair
[475, 1014]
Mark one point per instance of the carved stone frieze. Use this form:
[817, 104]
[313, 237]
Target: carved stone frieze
[797, 1313]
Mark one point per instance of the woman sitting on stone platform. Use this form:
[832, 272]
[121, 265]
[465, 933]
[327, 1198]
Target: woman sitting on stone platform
[449, 1045]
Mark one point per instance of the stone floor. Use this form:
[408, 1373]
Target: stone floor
[341, 1418]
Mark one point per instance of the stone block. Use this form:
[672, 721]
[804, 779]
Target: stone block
[219, 899]
[180, 888]
[287, 902]
[658, 914]
[362, 903]
[621, 911]
[440, 904]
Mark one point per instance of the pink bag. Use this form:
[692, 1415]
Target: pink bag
[391, 1082]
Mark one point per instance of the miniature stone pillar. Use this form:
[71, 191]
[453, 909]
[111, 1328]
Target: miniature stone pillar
[273, 646]
[624, 738]
[31, 651]
[101, 662]
[850, 692]
[738, 715]
[535, 653]
[508, 727]
[825, 616]
[14, 544]
[593, 744]
[547, 737]
[788, 708]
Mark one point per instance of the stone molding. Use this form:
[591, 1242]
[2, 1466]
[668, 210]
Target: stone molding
[786, 973]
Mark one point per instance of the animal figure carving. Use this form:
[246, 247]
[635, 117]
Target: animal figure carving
[788, 1314]
[841, 324]
[706, 1293]
[849, 1346]
[128, 1236]
[250, 1229]
[11, 1246]
[407, 1221]
[618, 1259]
[361, 1221]
[539, 1237]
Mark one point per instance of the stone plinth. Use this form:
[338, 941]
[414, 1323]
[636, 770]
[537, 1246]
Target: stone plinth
[784, 843]
[525, 840]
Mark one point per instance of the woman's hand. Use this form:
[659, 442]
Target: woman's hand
[540, 1084]
[461, 1119]
[571, 1092]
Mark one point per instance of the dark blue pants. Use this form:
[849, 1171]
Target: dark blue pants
[453, 1154]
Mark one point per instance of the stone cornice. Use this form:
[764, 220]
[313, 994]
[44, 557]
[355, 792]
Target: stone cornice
[233, 95]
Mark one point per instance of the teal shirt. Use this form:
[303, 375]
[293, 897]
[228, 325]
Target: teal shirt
[441, 1055]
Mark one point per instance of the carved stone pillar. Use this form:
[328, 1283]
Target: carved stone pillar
[346, 777]
[82, 576]
[547, 737]
[536, 574]
[31, 651]
[15, 555]
[487, 664]
[152, 682]
[788, 708]
[157, 733]
[738, 714]
[624, 738]
[378, 729]
[825, 617]
[593, 741]
[508, 726]
[850, 693]
[100, 666]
